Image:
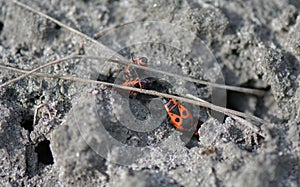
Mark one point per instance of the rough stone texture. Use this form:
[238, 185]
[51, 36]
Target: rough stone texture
[256, 44]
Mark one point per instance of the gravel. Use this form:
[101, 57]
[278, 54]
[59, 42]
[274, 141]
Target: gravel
[55, 132]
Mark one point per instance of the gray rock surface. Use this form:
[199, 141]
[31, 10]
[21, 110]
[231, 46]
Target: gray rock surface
[81, 135]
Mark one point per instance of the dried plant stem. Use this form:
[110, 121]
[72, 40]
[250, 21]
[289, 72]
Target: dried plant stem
[101, 33]
[235, 117]
[123, 61]
[149, 92]
[233, 88]
[88, 38]
[35, 70]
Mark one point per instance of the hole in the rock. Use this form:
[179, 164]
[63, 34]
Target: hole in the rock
[1, 26]
[242, 101]
[28, 123]
[256, 84]
[193, 142]
[44, 152]
[109, 78]
[237, 101]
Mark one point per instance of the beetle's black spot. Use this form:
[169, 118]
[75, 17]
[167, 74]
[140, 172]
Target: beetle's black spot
[184, 113]
[144, 59]
[177, 120]
[175, 110]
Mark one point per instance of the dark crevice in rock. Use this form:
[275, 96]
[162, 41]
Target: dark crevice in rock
[44, 152]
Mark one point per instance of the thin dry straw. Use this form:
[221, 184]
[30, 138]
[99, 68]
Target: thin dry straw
[216, 85]
[101, 33]
[244, 90]
[149, 92]
[235, 117]
[66, 27]
[35, 70]
[54, 20]
[199, 103]
[233, 88]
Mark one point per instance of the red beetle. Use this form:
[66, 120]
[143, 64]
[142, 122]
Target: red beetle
[181, 117]
[141, 61]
